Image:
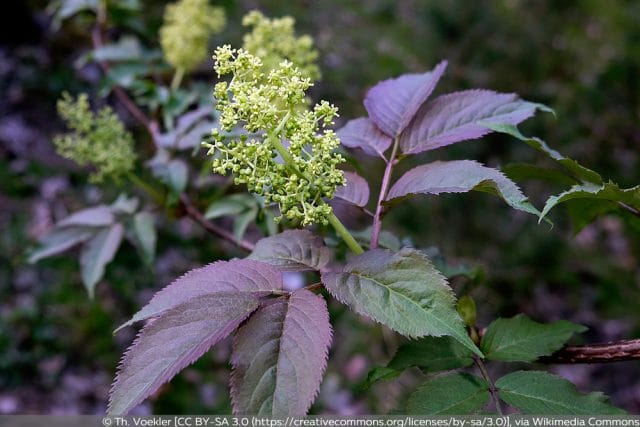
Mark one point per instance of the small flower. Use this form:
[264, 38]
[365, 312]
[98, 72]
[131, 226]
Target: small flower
[274, 40]
[287, 155]
[184, 36]
[100, 140]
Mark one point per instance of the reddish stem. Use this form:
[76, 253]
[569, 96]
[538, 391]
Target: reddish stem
[384, 187]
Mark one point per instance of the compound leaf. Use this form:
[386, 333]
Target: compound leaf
[454, 394]
[460, 116]
[97, 253]
[541, 393]
[402, 290]
[293, 250]
[432, 354]
[364, 134]
[173, 341]
[460, 176]
[520, 339]
[237, 276]
[392, 103]
[279, 356]
[355, 191]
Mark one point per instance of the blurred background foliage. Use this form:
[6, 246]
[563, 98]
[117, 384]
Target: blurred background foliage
[582, 58]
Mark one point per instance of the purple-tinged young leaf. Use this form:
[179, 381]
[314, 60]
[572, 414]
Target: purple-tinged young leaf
[97, 253]
[460, 116]
[356, 190]
[279, 357]
[460, 176]
[59, 240]
[392, 103]
[293, 250]
[364, 134]
[401, 290]
[188, 131]
[173, 341]
[99, 216]
[242, 276]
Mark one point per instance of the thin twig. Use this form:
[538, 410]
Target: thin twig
[151, 127]
[492, 387]
[386, 178]
[617, 351]
[97, 39]
[630, 209]
[314, 286]
[193, 212]
[614, 351]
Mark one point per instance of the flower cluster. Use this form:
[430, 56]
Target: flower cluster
[184, 36]
[287, 153]
[97, 139]
[274, 40]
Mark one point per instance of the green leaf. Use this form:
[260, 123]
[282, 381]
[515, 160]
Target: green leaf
[520, 339]
[97, 253]
[401, 290]
[467, 309]
[431, 354]
[608, 191]
[64, 9]
[541, 393]
[234, 204]
[525, 171]
[243, 207]
[242, 221]
[379, 373]
[584, 211]
[455, 394]
[578, 171]
[146, 235]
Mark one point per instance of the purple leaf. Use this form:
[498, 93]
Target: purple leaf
[188, 131]
[293, 250]
[173, 341]
[97, 253]
[460, 176]
[459, 117]
[364, 134]
[355, 191]
[392, 103]
[238, 276]
[98, 216]
[59, 240]
[279, 357]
